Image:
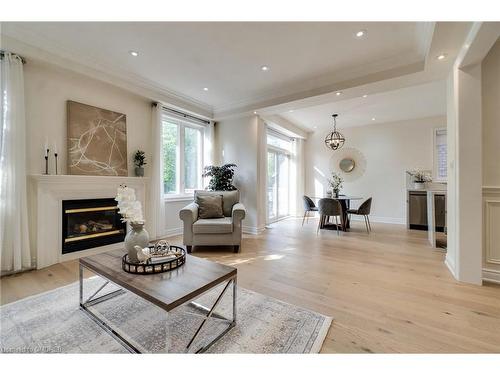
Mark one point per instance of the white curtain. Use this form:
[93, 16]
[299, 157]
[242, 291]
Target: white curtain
[261, 174]
[14, 233]
[157, 203]
[208, 148]
[297, 177]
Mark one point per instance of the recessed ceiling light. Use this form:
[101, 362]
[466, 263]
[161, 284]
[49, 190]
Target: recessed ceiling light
[441, 56]
[254, 112]
[361, 33]
[264, 68]
[205, 88]
[290, 110]
[134, 53]
[338, 93]
[373, 118]
[365, 96]
[315, 127]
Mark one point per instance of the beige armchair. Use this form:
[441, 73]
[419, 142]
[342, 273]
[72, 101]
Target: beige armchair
[214, 232]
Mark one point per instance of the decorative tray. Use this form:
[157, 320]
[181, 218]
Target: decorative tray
[149, 267]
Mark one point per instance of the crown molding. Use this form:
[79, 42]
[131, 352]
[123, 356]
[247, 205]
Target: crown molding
[424, 34]
[333, 81]
[270, 105]
[39, 49]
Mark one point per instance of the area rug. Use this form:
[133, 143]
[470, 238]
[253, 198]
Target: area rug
[53, 322]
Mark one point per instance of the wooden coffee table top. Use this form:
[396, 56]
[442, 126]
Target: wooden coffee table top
[168, 289]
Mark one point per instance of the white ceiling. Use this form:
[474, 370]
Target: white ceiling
[183, 58]
[414, 102]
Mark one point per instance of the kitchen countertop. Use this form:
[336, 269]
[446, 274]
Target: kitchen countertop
[428, 190]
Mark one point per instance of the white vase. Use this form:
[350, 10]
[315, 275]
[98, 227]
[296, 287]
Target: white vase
[137, 236]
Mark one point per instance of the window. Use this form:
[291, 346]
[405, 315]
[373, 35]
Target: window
[279, 141]
[182, 150]
[440, 155]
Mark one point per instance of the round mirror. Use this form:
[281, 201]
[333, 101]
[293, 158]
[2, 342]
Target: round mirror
[347, 165]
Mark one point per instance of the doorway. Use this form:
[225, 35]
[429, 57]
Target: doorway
[278, 178]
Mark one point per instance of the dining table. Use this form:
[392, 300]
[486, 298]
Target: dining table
[345, 203]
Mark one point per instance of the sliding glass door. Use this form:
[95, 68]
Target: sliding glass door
[278, 182]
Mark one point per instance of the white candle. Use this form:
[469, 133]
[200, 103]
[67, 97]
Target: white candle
[55, 147]
[46, 145]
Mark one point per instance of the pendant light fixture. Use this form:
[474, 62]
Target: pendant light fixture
[334, 140]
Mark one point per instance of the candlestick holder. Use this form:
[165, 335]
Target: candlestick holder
[47, 162]
[55, 156]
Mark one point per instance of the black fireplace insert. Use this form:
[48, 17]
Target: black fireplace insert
[89, 223]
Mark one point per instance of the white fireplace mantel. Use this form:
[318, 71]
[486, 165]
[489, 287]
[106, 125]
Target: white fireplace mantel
[46, 193]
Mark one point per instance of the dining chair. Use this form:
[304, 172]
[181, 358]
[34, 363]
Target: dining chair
[363, 210]
[329, 207]
[309, 206]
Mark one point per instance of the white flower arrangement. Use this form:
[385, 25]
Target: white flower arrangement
[128, 206]
[420, 176]
[336, 182]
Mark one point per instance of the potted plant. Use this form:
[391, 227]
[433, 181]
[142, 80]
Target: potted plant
[140, 162]
[420, 177]
[221, 177]
[336, 183]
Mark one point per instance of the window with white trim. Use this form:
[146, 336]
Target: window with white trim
[440, 155]
[182, 152]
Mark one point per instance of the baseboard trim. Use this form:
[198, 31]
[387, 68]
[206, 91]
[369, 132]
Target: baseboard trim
[493, 276]
[172, 232]
[380, 219]
[450, 266]
[178, 231]
[252, 230]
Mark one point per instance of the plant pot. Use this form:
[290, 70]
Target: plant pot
[336, 193]
[139, 171]
[136, 236]
[418, 185]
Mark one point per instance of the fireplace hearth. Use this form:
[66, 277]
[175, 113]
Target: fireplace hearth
[89, 223]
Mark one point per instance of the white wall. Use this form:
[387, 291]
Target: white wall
[465, 231]
[490, 89]
[390, 150]
[48, 88]
[468, 222]
[491, 116]
[238, 143]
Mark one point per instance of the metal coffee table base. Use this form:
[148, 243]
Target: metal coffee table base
[209, 313]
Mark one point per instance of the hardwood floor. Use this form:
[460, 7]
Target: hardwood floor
[387, 291]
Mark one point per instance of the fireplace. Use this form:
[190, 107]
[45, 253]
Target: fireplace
[89, 223]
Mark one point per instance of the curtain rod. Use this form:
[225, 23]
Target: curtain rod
[3, 52]
[182, 114]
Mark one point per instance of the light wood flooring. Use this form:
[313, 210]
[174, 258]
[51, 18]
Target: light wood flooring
[387, 291]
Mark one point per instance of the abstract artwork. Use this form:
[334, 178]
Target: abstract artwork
[97, 141]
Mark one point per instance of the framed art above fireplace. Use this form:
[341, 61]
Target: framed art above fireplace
[97, 141]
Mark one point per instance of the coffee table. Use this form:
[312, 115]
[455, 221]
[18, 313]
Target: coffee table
[167, 290]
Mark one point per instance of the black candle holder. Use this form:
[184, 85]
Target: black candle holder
[55, 155]
[47, 162]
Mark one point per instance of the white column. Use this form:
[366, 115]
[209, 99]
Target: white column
[465, 177]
